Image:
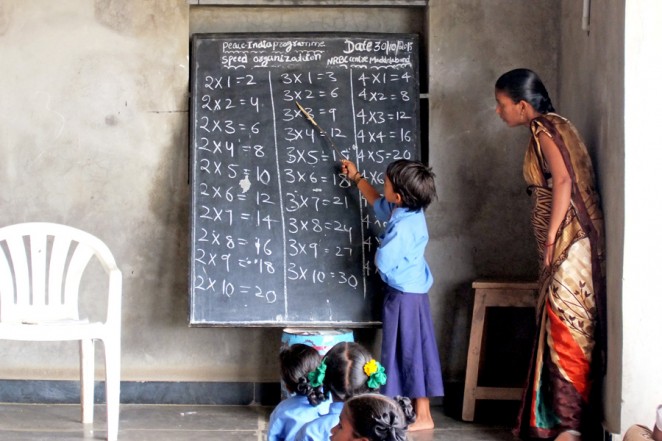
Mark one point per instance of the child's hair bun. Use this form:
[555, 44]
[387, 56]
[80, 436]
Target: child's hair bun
[380, 418]
[388, 428]
[407, 408]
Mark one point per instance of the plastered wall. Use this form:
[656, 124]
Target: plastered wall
[641, 300]
[591, 94]
[93, 133]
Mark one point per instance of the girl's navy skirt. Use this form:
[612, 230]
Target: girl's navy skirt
[409, 349]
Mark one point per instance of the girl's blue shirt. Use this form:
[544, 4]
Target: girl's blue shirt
[400, 257]
[290, 414]
[320, 428]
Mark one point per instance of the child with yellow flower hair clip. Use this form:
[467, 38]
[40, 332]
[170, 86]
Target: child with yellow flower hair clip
[348, 369]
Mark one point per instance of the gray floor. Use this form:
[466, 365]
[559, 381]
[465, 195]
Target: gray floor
[29, 422]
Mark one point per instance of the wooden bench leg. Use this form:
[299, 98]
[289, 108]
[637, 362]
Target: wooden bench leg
[473, 359]
[487, 295]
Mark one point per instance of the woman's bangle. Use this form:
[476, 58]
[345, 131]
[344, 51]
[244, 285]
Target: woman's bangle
[549, 244]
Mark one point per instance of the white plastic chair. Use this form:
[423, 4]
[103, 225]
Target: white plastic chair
[41, 267]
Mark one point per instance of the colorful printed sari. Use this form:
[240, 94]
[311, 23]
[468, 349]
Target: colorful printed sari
[568, 356]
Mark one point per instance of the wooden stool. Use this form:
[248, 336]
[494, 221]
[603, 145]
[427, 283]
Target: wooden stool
[491, 294]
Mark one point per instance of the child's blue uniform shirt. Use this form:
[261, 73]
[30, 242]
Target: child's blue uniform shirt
[400, 257]
[320, 428]
[290, 414]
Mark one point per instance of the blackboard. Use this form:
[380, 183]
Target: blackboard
[278, 237]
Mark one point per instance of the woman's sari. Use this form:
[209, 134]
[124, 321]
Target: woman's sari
[568, 356]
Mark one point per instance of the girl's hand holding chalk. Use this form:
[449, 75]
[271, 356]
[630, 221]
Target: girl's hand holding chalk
[349, 169]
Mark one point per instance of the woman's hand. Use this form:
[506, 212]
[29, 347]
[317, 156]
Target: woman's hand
[549, 254]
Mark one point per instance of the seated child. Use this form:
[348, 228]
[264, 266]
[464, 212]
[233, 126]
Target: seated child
[296, 362]
[347, 370]
[374, 417]
[641, 433]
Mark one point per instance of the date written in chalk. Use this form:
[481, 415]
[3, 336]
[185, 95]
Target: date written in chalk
[377, 46]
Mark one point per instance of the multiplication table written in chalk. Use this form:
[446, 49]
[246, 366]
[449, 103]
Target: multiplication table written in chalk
[278, 236]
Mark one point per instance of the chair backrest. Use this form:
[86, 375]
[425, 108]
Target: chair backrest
[41, 266]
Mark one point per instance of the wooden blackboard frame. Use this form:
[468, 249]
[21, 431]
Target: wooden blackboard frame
[390, 98]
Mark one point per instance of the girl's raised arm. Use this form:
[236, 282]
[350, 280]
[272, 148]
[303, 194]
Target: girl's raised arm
[367, 190]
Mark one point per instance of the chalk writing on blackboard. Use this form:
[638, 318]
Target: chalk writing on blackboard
[278, 236]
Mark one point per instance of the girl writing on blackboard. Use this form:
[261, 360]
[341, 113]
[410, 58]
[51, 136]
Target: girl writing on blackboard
[409, 349]
[347, 370]
[296, 362]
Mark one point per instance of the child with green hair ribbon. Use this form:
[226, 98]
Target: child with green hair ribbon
[348, 369]
[296, 363]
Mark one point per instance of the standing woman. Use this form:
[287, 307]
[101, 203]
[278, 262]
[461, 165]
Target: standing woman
[560, 400]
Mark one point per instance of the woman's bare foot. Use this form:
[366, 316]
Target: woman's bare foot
[423, 416]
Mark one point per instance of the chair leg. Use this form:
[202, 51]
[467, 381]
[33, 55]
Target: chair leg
[87, 380]
[112, 349]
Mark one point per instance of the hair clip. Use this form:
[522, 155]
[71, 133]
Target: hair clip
[316, 377]
[376, 374]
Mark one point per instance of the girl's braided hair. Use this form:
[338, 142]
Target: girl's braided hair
[296, 362]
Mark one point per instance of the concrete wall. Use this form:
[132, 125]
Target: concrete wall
[480, 225]
[607, 77]
[94, 134]
[592, 96]
[642, 300]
